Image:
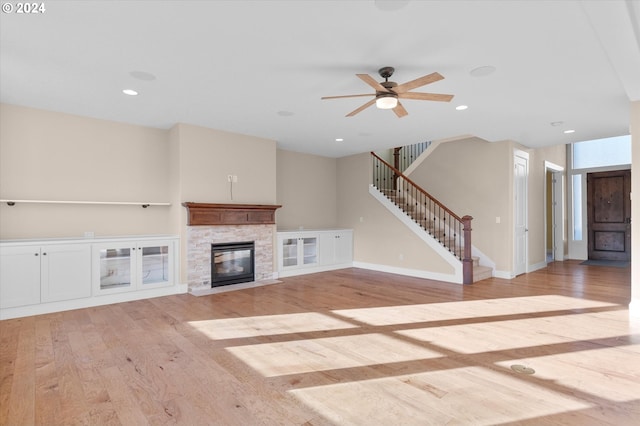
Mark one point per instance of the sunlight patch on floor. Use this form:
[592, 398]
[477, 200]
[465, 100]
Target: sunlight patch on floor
[305, 356]
[471, 395]
[267, 325]
[608, 373]
[489, 336]
[392, 315]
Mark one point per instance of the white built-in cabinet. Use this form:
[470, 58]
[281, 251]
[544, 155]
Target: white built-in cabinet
[34, 274]
[304, 252]
[42, 276]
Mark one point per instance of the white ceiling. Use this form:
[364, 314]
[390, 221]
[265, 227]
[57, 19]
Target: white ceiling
[260, 67]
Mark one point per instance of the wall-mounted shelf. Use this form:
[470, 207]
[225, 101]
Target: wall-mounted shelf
[112, 203]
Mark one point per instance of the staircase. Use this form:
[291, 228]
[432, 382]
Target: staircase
[441, 224]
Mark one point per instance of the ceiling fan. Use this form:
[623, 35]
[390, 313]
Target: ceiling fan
[388, 92]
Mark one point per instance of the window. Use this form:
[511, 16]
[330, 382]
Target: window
[577, 207]
[602, 152]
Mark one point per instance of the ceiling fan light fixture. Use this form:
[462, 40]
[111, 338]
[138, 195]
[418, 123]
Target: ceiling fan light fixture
[386, 102]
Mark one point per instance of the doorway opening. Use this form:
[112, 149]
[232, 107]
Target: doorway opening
[555, 216]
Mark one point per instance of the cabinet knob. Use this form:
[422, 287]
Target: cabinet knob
[44, 254]
[35, 254]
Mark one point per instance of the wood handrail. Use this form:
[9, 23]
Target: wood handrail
[399, 173]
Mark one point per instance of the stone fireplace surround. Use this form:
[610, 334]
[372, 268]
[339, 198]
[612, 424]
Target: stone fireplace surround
[228, 223]
[200, 238]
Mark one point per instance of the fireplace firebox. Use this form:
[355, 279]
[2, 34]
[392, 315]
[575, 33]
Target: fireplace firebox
[232, 263]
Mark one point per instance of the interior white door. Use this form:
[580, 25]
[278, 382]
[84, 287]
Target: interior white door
[520, 179]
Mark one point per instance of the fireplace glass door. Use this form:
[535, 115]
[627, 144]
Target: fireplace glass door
[232, 263]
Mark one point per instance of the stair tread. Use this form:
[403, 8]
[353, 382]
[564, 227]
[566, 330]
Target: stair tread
[481, 273]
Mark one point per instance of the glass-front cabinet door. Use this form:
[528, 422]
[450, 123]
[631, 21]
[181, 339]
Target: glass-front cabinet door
[298, 251]
[289, 252]
[154, 262]
[309, 250]
[115, 266]
[132, 265]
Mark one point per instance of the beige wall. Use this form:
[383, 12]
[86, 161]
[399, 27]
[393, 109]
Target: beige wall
[306, 190]
[379, 237]
[53, 156]
[207, 156]
[635, 205]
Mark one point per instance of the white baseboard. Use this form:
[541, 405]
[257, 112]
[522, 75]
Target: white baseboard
[88, 302]
[313, 269]
[506, 275]
[537, 266]
[450, 278]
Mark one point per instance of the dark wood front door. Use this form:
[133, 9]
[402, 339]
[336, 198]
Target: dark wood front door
[609, 215]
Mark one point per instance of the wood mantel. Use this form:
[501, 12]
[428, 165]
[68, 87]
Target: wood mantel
[230, 214]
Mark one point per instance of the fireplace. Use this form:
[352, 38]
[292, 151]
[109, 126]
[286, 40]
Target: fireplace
[232, 263]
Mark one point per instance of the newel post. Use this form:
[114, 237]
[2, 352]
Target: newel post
[467, 261]
[396, 164]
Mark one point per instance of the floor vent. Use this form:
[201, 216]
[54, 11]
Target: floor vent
[522, 369]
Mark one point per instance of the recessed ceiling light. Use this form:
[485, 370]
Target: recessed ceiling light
[339, 139]
[461, 107]
[557, 123]
[482, 71]
[130, 92]
[569, 131]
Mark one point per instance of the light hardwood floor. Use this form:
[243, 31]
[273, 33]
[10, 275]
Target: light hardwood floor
[349, 347]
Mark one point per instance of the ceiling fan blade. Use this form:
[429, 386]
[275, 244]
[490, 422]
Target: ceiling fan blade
[422, 81]
[400, 111]
[426, 96]
[346, 96]
[372, 82]
[357, 110]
